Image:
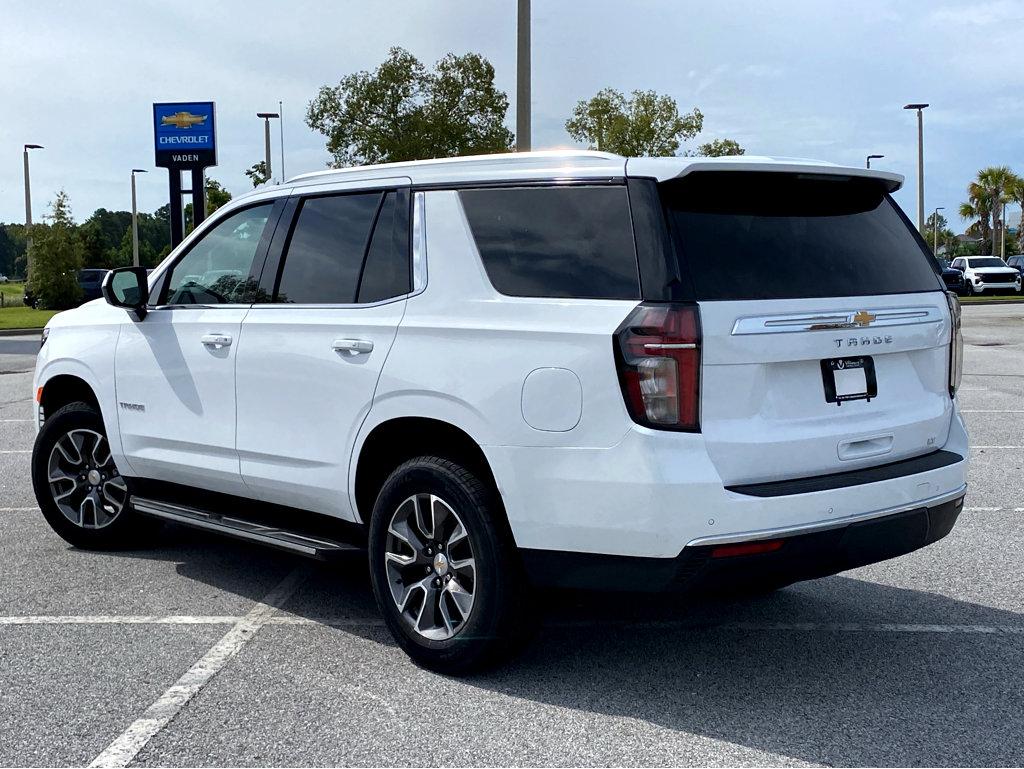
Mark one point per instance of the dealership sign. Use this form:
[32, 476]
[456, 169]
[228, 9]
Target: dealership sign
[185, 134]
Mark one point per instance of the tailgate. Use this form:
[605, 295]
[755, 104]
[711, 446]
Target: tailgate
[765, 409]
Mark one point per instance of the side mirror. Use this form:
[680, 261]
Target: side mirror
[127, 287]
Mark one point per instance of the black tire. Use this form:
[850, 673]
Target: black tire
[127, 528]
[497, 624]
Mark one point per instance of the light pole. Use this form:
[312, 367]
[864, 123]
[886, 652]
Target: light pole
[266, 136]
[523, 77]
[873, 157]
[1002, 227]
[280, 135]
[935, 226]
[135, 219]
[28, 207]
[920, 162]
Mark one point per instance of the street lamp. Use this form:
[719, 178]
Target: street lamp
[920, 162]
[523, 138]
[1002, 227]
[28, 206]
[266, 135]
[935, 226]
[873, 157]
[135, 219]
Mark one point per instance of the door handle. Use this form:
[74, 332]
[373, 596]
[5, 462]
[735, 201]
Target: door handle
[216, 341]
[353, 346]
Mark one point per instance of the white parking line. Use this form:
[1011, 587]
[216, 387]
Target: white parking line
[15, 420]
[126, 747]
[113, 619]
[992, 509]
[992, 411]
[19, 451]
[200, 673]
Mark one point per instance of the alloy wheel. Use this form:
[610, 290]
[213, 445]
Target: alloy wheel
[84, 482]
[431, 568]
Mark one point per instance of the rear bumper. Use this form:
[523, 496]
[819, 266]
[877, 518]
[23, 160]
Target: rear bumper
[804, 553]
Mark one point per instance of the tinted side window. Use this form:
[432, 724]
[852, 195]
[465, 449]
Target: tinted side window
[216, 270]
[325, 251]
[386, 271]
[572, 242]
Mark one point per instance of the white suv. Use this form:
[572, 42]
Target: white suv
[982, 273]
[568, 368]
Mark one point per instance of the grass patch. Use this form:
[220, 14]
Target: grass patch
[12, 292]
[989, 298]
[24, 317]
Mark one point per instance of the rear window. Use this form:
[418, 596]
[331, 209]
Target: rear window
[784, 236]
[564, 242]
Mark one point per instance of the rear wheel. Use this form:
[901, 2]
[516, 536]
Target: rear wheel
[444, 569]
[78, 487]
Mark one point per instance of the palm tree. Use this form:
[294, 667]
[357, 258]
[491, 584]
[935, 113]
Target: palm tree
[977, 207]
[995, 182]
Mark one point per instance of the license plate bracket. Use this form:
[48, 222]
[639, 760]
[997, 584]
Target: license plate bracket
[849, 379]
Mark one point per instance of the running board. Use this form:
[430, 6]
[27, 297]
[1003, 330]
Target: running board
[292, 541]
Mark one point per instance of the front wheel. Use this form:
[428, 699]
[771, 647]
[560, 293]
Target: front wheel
[445, 572]
[77, 485]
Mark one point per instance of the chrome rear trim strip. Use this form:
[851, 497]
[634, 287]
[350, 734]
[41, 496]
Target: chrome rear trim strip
[855, 319]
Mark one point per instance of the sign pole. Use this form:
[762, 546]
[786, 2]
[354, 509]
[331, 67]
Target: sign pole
[177, 214]
[198, 196]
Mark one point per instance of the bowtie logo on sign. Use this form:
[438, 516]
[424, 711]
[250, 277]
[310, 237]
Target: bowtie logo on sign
[183, 119]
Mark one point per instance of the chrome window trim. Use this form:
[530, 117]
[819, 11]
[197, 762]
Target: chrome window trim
[843, 319]
[419, 243]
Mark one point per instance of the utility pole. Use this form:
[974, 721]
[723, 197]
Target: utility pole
[135, 219]
[523, 77]
[920, 162]
[28, 208]
[266, 138]
[1002, 228]
[280, 131]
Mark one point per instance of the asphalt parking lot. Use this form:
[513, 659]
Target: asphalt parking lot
[202, 651]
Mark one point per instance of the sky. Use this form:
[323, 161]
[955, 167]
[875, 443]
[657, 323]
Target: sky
[821, 79]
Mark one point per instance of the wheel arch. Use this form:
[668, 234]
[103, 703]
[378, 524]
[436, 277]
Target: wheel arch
[61, 389]
[396, 440]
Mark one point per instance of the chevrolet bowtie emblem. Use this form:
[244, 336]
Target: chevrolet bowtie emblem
[864, 318]
[183, 119]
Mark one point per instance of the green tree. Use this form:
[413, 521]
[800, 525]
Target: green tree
[986, 194]
[979, 208]
[644, 124]
[102, 234]
[257, 173]
[12, 250]
[720, 148]
[56, 257]
[403, 111]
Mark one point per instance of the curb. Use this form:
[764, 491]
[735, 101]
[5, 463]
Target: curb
[991, 302]
[21, 331]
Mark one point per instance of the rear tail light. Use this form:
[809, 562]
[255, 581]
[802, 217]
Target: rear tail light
[657, 352]
[956, 344]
